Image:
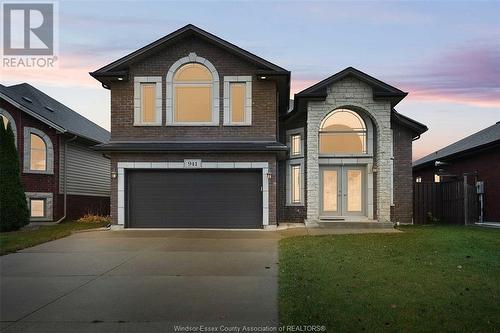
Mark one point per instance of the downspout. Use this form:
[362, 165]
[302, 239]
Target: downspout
[65, 176]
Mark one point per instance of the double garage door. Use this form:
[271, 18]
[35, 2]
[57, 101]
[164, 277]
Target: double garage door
[194, 199]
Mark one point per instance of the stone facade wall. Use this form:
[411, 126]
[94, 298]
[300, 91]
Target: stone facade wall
[352, 93]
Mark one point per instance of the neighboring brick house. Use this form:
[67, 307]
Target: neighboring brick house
[478, 157]
[202, 136]
[63, 177]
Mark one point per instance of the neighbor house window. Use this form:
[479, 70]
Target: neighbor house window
[238, 100]
[343, 132]
[5, 121]
[437, 178]
[147, 101]
[38, 153]
[193, 95]
[37, 207]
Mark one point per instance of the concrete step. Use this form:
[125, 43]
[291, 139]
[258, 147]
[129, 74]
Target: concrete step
[355, 225]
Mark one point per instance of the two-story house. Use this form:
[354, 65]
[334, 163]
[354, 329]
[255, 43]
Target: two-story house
[202, 136]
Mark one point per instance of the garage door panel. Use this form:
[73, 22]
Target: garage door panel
[201, 199]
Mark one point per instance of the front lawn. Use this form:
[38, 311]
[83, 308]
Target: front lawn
[429, 278]
[17, 240]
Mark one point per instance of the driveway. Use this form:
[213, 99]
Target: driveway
[141, 281]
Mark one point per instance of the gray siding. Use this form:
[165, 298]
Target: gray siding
[89, 172]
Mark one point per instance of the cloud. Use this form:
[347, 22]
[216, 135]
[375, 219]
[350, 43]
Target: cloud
[468, 74]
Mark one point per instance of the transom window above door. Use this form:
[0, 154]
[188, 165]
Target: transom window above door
[343, 132]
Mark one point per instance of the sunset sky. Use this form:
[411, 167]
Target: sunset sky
[446, 54]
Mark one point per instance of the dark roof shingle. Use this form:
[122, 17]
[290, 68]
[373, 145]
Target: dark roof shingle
[486, 136]
[54, 112]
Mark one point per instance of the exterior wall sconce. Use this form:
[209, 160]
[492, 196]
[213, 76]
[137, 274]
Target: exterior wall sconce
[269, 175]
[114, 174]
[374, 169]
[262, 77]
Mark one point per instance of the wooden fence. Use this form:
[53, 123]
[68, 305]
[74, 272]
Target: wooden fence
[446, 202]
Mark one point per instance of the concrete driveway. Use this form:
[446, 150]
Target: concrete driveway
[141, 281]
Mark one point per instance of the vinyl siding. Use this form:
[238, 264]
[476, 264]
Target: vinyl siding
[88, 171]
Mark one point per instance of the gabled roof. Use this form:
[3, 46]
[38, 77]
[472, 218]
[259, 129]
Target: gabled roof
[51, 112]
[417, 127]
[485, 137]
[380, 89]
[117, 67]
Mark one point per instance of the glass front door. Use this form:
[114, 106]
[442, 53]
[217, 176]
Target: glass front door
[343, 190]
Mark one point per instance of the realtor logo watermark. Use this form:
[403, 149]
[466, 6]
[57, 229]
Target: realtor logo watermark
[30, 35]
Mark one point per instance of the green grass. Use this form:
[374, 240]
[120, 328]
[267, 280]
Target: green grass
[429, 278]
[17, 240]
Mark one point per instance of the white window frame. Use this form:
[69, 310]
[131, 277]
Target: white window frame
[289, 182]
[138, 80]
[247, 80]
[170, 103]
[289, 134]
[49, 163]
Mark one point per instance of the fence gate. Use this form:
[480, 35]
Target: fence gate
[453, 202]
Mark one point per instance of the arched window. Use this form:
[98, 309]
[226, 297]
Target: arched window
[38, 153]
[193, 89]
[343, 132]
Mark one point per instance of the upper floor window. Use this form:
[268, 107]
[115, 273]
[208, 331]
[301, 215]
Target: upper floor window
[147, 101]
[38, 153]
[343, 132]
[238, 100]
[295, 149]
[193, 94]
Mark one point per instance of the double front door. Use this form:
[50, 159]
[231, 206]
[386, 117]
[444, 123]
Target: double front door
[343, 190]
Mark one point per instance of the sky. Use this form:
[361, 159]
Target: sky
[446, 54]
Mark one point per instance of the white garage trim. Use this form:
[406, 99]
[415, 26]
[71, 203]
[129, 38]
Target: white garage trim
[122, 166]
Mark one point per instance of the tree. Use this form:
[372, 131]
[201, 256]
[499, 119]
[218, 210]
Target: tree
[14, 212]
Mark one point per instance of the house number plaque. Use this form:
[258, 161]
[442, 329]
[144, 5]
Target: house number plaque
[192, 164]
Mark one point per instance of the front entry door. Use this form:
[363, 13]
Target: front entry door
[343, 190]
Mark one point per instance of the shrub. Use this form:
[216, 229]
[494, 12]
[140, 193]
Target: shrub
[92, 218]
[14, 212]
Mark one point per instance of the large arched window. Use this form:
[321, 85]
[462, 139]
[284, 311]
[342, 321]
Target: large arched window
[38, 153]
[343, 132]
[193, 89]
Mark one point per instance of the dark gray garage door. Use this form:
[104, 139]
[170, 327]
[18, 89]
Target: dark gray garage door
[194, 199]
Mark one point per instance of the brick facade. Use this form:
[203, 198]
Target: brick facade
[402, 211]
[264, 113]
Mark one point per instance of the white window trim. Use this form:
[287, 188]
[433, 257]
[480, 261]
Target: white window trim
[137, 100]
[289, 134]
[49, 163]
[49, 204]
[192, 58]
[12, 123]
[289, 165]
[123, 166]
[248, 99]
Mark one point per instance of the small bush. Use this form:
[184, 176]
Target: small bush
[92, 218]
